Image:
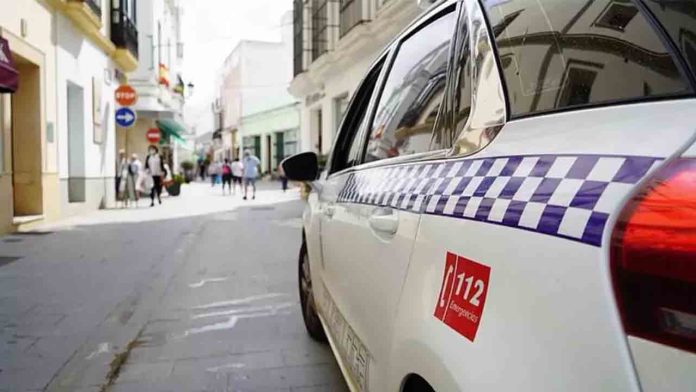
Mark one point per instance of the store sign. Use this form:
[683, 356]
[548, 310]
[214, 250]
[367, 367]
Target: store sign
[9, 77]
[312, 98]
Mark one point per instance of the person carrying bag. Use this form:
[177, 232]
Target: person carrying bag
[154, 166]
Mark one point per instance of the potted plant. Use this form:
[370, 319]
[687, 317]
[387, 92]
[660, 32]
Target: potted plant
[174, 187]
[188, 168]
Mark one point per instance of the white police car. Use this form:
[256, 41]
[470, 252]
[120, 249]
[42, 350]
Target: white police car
[510, 203]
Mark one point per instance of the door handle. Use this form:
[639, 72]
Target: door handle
[384, 220]
[329, 210]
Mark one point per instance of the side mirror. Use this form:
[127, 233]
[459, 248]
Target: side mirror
[301, 167]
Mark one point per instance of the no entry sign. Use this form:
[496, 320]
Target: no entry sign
[125, 95]
[153, 135]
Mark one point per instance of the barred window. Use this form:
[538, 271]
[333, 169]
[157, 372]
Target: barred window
[298, 44]
[351, 15]
[319, 28]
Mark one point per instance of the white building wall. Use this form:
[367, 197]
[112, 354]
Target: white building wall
[338, 72]
[80, 62]
[265, 73]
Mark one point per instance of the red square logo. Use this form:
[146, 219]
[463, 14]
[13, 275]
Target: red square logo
[462, 294]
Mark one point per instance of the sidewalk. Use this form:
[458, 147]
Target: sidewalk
[196, 199]
[75, 295]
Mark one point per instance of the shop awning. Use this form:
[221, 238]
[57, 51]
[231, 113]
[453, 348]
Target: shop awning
[9, 77]
[171, 128]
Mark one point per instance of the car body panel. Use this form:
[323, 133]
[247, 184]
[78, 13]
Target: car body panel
[662, 368]
[550, 320]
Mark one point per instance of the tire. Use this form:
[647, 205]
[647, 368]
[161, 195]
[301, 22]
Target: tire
[309, 309]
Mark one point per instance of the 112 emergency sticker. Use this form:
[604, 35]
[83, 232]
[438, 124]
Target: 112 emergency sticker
[462, 294]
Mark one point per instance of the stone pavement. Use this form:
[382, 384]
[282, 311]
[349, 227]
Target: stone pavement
[199, 294]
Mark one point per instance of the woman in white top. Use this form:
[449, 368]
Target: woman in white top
[154, 165]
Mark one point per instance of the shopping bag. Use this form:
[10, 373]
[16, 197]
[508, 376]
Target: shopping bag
[139, 183]
[148, 183]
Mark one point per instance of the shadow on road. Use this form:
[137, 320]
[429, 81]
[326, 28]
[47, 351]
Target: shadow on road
[206, 301]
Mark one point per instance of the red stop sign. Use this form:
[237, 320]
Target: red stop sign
[125, 95]
[153, 135]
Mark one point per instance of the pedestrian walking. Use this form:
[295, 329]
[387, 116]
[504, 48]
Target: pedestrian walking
[226, 176]
[154, 165]
[121, 171]
[213, 173]
[283, 178]
[237, 174]
[251, 171]
[135, 171]
[131, 180]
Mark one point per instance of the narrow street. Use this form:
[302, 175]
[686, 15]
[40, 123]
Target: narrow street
[199, 294]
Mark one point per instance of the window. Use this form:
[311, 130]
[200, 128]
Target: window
[297, 26]
[350, 15]
[340, 106]
[678, 17]
[558, 55]
[348, 148]
[412, 93]
[319, 28]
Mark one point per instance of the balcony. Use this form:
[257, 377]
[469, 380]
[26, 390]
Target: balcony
[124, 35]
[87, 13]
[350, 15]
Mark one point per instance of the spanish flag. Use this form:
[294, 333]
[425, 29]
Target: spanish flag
[163, 75]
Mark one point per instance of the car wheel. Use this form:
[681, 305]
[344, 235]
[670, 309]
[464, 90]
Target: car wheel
[309, 309]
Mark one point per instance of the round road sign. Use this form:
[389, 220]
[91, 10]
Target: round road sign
[125, 95]
[153, 135]
[125, 117]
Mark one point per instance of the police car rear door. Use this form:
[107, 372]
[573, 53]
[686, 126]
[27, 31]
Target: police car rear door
[369, 238]
[510, 270]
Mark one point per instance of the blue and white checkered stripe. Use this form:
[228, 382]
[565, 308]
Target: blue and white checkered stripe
[564, 196]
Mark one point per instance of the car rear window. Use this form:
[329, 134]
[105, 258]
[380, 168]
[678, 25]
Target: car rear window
[413, 91]
[573, 53]
[678, 17]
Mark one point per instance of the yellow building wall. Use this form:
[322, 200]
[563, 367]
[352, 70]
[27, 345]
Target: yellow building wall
[35, 51]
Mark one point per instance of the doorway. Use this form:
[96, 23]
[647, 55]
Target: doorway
[25, 131]
[76, 144]
[269, 144]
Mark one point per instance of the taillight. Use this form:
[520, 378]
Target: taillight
[653, 258]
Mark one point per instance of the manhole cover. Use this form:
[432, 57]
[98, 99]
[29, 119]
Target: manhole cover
[12, 240]
[5, 260]
[262, 208]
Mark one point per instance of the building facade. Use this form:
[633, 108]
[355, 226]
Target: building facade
[334, 44]
[255, 110]
[91, 52]
[56, 126]
[158, 82]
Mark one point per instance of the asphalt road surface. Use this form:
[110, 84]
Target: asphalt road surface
[199, 294]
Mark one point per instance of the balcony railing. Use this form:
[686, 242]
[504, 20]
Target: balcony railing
[351, 15]
[124, 34]
[298, 36]
[94, 5]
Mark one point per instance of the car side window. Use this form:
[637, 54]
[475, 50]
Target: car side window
[563, 54]
[348, 148]
[413, 91]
